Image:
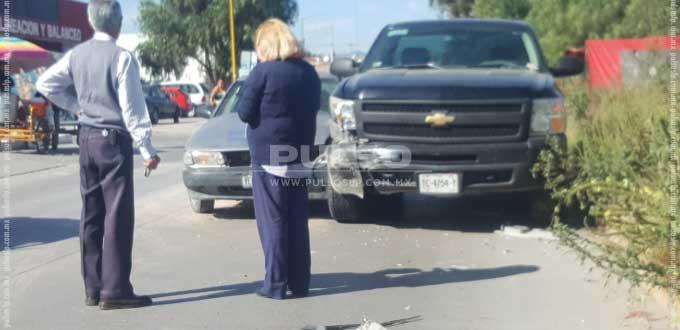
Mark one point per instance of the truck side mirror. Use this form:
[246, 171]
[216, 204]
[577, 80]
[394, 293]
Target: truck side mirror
[568, 66]
[344, 67]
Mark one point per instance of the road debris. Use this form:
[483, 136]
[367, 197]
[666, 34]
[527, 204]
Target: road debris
[370, 325]
[641, 315]
[526, 232]
[458, 267]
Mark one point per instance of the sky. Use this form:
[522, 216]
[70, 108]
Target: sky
[354, 21]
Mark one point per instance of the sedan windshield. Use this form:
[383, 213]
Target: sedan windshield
[235, 92]
[439, 46]
[230, 100]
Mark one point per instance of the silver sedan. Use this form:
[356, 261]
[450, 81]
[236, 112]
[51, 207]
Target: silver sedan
[217, 160]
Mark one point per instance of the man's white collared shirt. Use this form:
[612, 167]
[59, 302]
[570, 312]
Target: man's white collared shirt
[57, 85]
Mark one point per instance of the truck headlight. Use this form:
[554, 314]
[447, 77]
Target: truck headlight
[343, 113]
[548, 116]
[204, 159]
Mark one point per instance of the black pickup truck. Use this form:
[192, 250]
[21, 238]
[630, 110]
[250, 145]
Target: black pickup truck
[442, 108]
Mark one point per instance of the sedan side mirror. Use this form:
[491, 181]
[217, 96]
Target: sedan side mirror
[344, 67]
[204, 112]
[568, 66]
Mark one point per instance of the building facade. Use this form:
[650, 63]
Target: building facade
[56, 25]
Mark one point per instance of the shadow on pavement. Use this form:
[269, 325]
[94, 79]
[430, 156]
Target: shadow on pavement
[27, 232]
[480, 214]
[339, 283]
[66, 151]
[244, 210]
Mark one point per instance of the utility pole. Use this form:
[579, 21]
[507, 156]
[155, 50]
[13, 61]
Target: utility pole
[232, 42]
[302, 25]
[332, 43]
[302, 31]
[356, 25]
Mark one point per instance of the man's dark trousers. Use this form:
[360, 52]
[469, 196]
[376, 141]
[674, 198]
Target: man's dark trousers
[107, 222]
[281, 210]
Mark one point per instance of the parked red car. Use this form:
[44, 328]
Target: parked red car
[181, 99]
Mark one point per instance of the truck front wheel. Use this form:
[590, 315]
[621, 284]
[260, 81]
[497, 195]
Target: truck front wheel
[540, 207]
[345, 208]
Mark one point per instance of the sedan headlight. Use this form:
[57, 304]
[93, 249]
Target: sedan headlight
[343, 113]
[188, 159]
[548, 116]
[204, 159]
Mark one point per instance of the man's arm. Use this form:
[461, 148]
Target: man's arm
[253, 91]
[57, 85]
[133, 105]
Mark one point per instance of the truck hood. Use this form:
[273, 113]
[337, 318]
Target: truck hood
[446, 84]
[228, 133]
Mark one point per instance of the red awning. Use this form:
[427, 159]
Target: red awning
[604, 57]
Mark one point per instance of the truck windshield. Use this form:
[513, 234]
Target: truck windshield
[445, 46]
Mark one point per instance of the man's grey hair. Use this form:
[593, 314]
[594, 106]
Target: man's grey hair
[105, 15]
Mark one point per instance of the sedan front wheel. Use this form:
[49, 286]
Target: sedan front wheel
[201, 206]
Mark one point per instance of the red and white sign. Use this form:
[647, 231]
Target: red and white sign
[30, 29]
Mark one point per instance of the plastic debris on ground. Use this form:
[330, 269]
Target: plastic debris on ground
[526, 232]
[369, 325]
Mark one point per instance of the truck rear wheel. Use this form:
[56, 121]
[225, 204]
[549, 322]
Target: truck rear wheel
[345, 208]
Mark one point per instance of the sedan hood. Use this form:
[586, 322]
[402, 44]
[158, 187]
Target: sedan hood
[446, 84]
[228, 133]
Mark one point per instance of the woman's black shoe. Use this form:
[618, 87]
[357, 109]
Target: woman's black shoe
[298, 295]
[123, 303]
[264, 295]
[91, 301]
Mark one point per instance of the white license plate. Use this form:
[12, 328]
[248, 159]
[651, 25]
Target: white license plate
[439, 184]
[247, 181]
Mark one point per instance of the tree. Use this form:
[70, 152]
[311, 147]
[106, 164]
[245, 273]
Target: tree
[199, 29]
[455, 8]
[561, 24]
[569, 23]
[652, 18]
[515, 9]
[484, 8]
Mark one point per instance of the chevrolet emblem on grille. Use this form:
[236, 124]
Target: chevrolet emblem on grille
[439, 119]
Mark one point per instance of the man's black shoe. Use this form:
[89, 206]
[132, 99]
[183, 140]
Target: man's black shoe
[91, 301]
[127, 302]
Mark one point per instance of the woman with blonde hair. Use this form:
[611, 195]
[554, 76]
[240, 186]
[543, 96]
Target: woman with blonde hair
[280, 102]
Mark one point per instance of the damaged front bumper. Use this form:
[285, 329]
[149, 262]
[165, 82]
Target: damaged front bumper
[356, 167]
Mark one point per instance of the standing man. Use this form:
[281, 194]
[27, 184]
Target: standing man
[101, 82]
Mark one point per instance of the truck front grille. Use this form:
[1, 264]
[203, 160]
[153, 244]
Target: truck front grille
[482, 121]
[452, 108]
[427, 131]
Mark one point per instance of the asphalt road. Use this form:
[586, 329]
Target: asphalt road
[442, 267]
